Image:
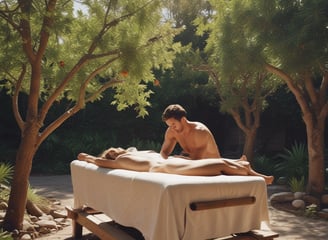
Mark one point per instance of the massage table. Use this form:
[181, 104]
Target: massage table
[168, 206]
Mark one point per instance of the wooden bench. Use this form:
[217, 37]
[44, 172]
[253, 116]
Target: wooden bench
[105, 228]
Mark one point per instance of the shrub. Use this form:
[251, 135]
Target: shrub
[293, 163]
[6, 172]
[297, 185]
[5, 235]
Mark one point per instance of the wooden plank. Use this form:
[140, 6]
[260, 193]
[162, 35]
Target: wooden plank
[264, 234]
[103, 229]
[252, 235]
[76, 227]
[205, 205]
[103, 226]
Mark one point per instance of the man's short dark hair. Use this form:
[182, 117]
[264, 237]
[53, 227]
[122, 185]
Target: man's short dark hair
[175, 111]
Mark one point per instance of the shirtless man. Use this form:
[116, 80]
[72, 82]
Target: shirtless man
[150, 161]
[195, 138]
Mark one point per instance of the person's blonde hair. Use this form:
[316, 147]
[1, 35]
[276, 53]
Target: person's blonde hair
[112, 153]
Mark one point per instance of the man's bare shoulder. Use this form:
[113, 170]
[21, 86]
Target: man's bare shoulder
[170, 133]
[199, 126]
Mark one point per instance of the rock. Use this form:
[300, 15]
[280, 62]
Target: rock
[58, 214]
[47, 223]
[61, 221]
[56, 203]
[45, 208]
[26, 236]
[33, 209]
[311, 200]
[298, 203]
[27, 226]
[323, 213]
[282, 197]
[44, 230]
[3, 205]
[299, 195]
[46, 217]
[34, 218]
[324, 199]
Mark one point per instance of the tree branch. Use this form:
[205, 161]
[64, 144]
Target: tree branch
[310, 89]
[25, 28]
[113, 23]
[77, 107]
[103, 88]
[300, 98]
[81, 99]
[15, 104]
[47, 24]
[323, 88]
[239, 122]
[6, 15]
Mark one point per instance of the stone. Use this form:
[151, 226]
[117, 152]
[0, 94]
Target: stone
[44, 230]
[26, 237]
[311, 200]
[323, 213]
[282, 197]
[324, 199]
[3, 205]
[46, 217]
[58, 214]
[27, 226]
[33, 209]
[299, 195]
[34, 218]
[298, 204]
[47, 223]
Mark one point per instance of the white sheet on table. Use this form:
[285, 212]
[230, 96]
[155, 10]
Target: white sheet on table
[157, 204]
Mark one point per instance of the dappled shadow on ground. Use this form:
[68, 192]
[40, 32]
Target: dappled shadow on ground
[291, 226]
[58, 186]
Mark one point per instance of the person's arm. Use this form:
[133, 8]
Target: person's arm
[168, 145]
[99, 161]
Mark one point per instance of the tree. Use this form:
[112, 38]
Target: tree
[51, 52]
[296, 42]
[234, 62]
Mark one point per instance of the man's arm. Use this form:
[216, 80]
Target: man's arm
[168, 145]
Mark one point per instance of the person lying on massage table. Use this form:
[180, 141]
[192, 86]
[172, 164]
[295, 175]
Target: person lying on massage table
[150, 161]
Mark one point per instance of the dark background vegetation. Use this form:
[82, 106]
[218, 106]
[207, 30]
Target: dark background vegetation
[99, 126]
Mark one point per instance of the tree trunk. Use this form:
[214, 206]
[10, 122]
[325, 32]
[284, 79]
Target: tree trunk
[19, 186]
[250, 138]
[315, 138]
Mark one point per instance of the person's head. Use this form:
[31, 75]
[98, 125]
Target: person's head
[173, 116]
[175, 111]
[112, 153]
